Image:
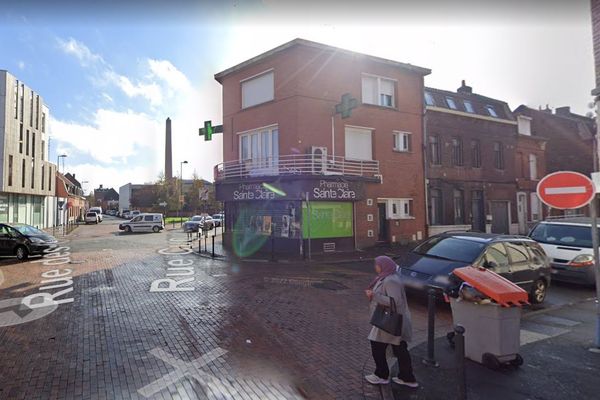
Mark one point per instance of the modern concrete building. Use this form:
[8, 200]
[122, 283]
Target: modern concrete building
[322, 150]
[27, 179]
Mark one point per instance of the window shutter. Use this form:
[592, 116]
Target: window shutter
[358, 144]
[408, 141]
[369, 90]
[258, 90]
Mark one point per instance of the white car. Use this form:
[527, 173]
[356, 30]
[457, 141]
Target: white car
[91, 218]
[146, 222]
[97, 210]
[568, 245]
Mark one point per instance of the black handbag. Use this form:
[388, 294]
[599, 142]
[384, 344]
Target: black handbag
[387, 318]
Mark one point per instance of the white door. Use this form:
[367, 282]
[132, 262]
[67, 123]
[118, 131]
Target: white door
[135, 223]
[522, 212]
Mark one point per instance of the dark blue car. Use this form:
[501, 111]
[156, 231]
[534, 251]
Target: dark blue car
[517, 258]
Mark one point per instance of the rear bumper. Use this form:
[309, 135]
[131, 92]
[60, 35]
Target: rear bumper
[585, 275]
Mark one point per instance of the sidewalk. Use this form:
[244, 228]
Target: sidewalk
[558, 364]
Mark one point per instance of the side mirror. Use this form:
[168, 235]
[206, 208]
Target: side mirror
[490, 264]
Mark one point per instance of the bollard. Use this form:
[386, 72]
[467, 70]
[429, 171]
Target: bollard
[205, 250]
[430, 360]
[213, 246]
[173, 220]
[199, 243]
[461, 379]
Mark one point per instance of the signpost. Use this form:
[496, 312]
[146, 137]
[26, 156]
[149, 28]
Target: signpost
[567, 190]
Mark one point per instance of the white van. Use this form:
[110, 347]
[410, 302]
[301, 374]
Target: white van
[97, 210]
[145, 222]
[568, 245]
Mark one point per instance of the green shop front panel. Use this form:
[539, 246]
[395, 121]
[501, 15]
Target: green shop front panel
[327, 219]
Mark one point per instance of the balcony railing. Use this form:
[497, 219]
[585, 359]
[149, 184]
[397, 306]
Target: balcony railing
[296, 164]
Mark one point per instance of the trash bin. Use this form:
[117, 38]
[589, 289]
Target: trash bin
[492, 326]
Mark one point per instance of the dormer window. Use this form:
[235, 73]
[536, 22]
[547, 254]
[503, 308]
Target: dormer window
[491, 111]
[524, 125]
[469, 106]
[429, 99]
[451, 103]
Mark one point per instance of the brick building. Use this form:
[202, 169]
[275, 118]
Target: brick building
[296, 169]
[570, 140]
[106, 198]
[470, 168]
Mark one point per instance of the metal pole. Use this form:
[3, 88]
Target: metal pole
[595, 244]
[430, 360]
[272, 242]
[308, 222]
[459, 351]
[213, 246]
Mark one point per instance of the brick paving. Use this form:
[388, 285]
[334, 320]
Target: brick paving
[289, 331]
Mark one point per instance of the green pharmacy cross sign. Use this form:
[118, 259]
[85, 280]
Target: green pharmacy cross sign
[346, 106]
[208, 130]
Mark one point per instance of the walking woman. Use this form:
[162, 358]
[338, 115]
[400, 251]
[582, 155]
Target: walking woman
[387, 284]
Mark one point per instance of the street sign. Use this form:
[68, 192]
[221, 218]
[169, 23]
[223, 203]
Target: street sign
[566, 190]
[163, 204]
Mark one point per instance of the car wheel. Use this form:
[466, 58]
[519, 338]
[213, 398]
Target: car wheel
[538, 291]
[156, 229]
[128, 229]
[21, 253]
[491, 361]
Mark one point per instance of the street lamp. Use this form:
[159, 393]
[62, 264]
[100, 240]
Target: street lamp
[181, 184]
[63, 156]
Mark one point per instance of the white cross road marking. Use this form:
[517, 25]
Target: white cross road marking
[191, 369]
[566, 190]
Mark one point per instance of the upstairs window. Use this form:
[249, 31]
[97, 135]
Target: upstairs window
[524, 125]
[533, 174]
[258, 89]
[16, 98]
[358, 144]
[402, 141]
[475, 154]
[457, 152]
[435, 150]
[498, 155]
[451, 103]
[378, 91]
[459, 216]
[400, 208]
[491, 111]
[429, 99]
[469, 106]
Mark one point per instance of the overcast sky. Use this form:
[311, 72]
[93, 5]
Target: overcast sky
[112, 71]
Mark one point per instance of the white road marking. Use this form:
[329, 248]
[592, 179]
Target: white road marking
[566, 190]
[191, 369]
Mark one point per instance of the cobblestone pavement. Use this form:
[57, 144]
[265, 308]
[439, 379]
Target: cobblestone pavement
[136, 317]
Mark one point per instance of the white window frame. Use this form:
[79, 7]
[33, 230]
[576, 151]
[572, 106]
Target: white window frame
[469, 106]
[533, 172]
[524, 125]
[379, 90]
[257, 136]
[402, 208]
[347, 147]
[491, 110]
[402, 141]
[255, 77]
[429, 100]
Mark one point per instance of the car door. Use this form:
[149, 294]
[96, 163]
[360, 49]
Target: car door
[523, 273]
[136, 223]
[540, 262]
[495, 258]
[5, 241]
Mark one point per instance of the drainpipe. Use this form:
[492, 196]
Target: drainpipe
[333, 138]
[424, 154]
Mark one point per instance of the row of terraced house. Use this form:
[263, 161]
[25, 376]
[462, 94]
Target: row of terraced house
[333, 150]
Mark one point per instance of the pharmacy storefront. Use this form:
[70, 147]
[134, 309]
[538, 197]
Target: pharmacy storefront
[290, 217]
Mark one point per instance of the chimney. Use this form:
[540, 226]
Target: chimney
[100, 186]
[564, 111]
[168, 152]
[464, 88]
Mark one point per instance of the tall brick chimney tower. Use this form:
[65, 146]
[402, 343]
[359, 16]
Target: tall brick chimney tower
[168, 152]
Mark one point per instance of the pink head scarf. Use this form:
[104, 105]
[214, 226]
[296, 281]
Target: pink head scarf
[388, 267]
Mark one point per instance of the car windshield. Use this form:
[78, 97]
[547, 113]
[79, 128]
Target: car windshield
[91, 214]
[28, 230]
[567, 235]
[196, 218]
[451, 248]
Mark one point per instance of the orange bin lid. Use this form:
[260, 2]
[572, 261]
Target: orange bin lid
[496, 287]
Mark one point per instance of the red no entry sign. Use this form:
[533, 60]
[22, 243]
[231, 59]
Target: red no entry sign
[566, 190]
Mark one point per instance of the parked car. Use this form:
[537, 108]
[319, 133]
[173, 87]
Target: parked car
[198, 222]
[97, 210]
[146, 222]
[134, 213]
[22, 240]
[126, 214]
[517, 258]
[218, 219]
[112, 213]
[91, 217]
[568, 244]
